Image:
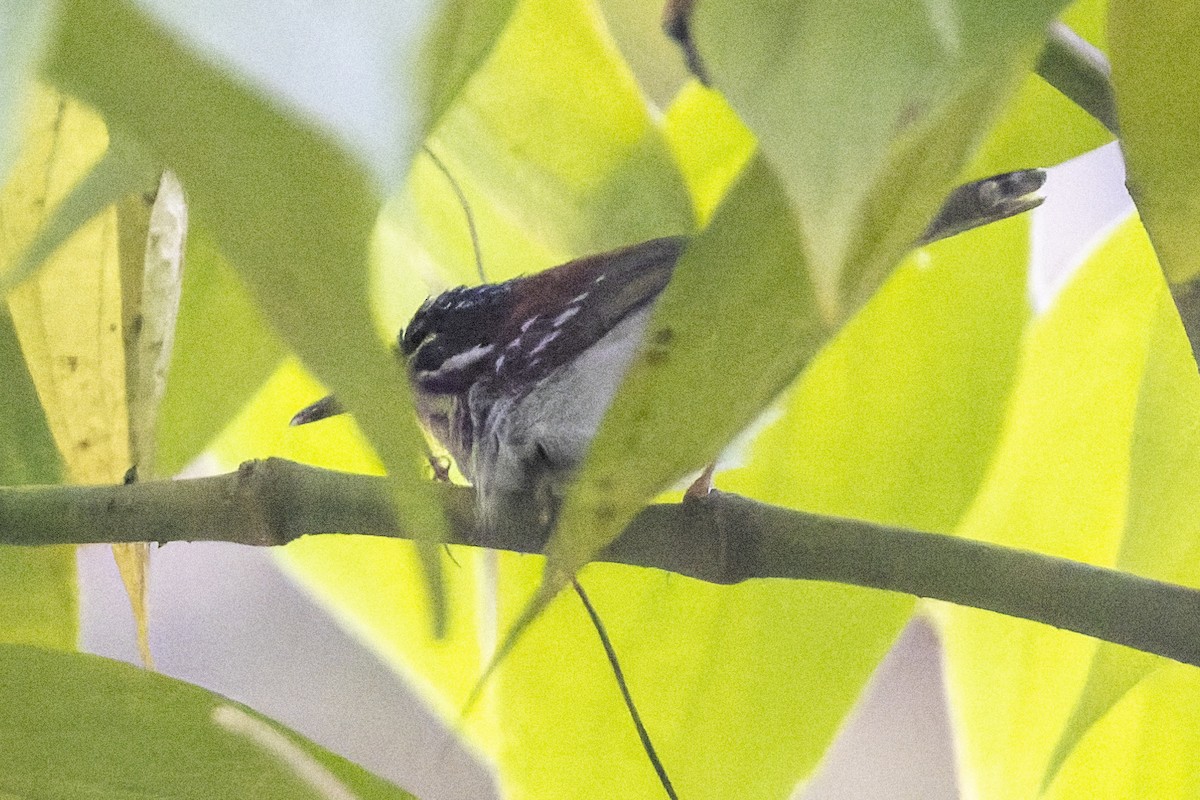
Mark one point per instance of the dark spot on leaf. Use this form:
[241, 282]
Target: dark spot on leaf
[72, 362]
[659, 348]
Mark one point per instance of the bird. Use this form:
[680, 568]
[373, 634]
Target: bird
[514, 378]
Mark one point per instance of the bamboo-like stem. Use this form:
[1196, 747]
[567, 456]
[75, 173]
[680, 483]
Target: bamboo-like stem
[722, 539]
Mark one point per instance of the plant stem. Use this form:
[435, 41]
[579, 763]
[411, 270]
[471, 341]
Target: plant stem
[722, 538]
[1081, 72]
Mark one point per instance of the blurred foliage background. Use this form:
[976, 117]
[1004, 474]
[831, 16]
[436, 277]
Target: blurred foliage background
[914, 389]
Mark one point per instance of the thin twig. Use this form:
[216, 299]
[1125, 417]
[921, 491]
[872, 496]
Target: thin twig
[609, 651]
[466, 207]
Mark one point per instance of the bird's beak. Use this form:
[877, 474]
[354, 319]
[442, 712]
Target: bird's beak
[325, 407]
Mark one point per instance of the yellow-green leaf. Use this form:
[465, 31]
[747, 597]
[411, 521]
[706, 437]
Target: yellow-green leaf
[1059, 484]
[464, 34]
[68, 316]
[739, 307]
[38, 603]
[710, 145]
[1159, 538]
[1156, 74]
[555, 134]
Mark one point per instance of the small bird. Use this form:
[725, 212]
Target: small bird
[513, 378]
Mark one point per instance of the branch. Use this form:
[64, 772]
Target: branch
[1081, 72]
[721, 539]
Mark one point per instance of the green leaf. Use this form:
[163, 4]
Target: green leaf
[224, 351]
[738, 306]
[867, 111]
[27, 24]
[27, 451]
[351, 71]
[76, 725]
[38, 603]
[291, 207]
[1156, 73]
[1058, 484]
[710, 145]
[577, 171]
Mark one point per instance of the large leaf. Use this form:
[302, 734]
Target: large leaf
[1159, 538]
[351, 71]
[656, 61]
[37, 584]
[1059, 484]
[69, 316]
[81, 726]
[1156, 74]
[290, 206]
[738, 306]
[867, 110]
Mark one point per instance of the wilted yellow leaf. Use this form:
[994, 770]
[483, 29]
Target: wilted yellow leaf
[68, 315]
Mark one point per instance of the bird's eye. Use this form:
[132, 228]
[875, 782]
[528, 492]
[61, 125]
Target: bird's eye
[430, 353]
